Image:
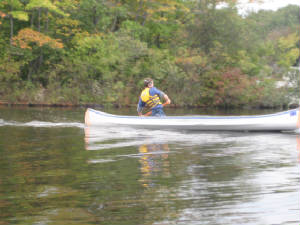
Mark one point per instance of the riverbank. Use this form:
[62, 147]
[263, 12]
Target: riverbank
[29, 104]
[94, 105]
[74, 62]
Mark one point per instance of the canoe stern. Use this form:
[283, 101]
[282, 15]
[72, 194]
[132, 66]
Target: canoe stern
[87, 119]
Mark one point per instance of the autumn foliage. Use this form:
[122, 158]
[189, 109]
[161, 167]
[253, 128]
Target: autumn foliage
[230, 88]
[201, 53]
[27, 37]
[2, 15]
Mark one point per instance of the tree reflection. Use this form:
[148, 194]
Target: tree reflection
[133, 177]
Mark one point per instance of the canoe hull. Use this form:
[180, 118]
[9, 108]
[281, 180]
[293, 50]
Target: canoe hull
[282, 121]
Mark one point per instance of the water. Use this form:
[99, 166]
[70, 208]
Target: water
[54, 170]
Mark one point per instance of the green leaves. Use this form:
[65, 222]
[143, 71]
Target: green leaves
[196, 51]
[44, 4]
[19, 15]
[13, 4]
[15, 9]
[287, 50]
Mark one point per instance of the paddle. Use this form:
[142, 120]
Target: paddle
[150, 112]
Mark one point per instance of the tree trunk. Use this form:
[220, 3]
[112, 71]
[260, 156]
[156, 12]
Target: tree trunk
[39, 19]
[11, 19]
[144, 18]
[47, 22]
[157, 40]
[114, 25]
[139, 11]
[30, 71]
[95, 19]
[40, 61]
[32, 19]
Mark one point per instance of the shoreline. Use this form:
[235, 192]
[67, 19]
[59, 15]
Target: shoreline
[54, 105]
[89, 105]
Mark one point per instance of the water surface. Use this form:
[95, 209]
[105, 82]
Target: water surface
[54, 170]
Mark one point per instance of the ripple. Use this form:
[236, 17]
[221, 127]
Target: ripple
[96, 137]
[93, 161]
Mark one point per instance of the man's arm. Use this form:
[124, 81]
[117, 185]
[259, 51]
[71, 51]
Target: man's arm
[167, 100]
[140, 107]
[161, 94]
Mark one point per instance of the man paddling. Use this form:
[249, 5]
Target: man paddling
[150, 97]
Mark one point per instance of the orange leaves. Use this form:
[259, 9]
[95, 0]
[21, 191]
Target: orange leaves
[2, 15]
[234, 88]
[67, 27]
[27, 37]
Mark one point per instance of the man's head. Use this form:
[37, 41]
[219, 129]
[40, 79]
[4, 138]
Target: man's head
[148, 82]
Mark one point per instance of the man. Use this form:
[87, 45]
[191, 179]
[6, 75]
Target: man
[150, 97]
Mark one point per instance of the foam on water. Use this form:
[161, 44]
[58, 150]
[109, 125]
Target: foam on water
[51, 124]
[41, 124]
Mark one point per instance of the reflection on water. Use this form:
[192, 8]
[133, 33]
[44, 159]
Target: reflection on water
[219, 178]
[154, 161]
[153, 158]
[59, 172]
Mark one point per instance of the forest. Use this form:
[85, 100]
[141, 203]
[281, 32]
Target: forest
[202, 53]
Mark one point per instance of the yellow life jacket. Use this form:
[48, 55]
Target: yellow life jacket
[151, 101]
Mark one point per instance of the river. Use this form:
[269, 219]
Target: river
[54, 170]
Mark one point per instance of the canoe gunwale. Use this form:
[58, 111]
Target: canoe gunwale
[194, 117]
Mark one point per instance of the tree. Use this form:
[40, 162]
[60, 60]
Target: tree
[69, 27]
[95, 16]
[13, 9]
[99, 50]
[42, 6]
[27, 37]
[163, 18]
[34, 44]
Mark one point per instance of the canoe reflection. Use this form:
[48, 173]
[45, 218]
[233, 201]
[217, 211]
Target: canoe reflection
[97, 138]
[153, 155]
[298, 147]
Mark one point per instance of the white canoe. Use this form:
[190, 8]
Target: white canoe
[281, 121]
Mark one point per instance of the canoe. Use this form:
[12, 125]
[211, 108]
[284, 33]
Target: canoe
[281, 121]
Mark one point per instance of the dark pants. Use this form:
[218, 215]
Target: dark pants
[158, 112]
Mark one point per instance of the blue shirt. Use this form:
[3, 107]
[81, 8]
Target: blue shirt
[153, 91]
